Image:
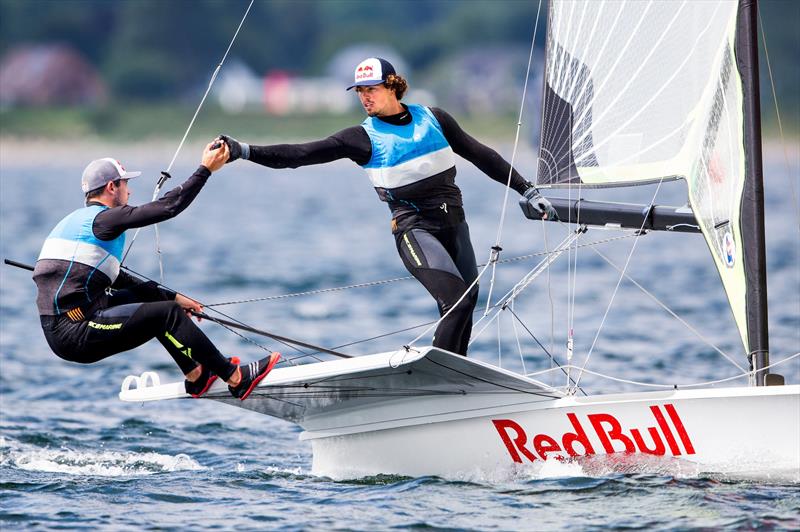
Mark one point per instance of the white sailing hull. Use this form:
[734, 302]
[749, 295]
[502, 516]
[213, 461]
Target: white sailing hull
[434, 413]
[751, 431]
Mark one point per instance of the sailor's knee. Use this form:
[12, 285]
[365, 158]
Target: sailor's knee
[174, 309]
[460, 306]
[473, 295]
[163, 311]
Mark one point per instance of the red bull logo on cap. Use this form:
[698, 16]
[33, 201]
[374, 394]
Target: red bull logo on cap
[369, 70]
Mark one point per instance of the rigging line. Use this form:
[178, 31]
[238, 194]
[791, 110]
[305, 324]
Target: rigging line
[552, 358]
[386, 334]
[312, 354]
[283, 339]
[674, 386]
[795, 203]
[243, 326]
[573, 285]
[238, 324]
[407, 278]
[496, 248]
[521, 285]
[475, 311]
[446, 314]
[313, 292]
[547, 260]
[616, 288]
[516, 337]
[499, 346]
[165, 175]
[550, 291]
[671, 312]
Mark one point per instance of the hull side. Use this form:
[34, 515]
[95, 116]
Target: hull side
[737, 431]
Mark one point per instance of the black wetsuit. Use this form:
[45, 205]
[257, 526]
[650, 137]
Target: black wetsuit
[86, 317]
[428, 221]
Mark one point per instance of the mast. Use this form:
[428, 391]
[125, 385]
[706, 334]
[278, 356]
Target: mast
[752, 207]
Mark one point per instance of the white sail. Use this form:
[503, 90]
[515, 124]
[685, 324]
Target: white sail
[640, 91]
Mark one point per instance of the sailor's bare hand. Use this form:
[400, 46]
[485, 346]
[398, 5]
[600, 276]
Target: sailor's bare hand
[188, 305]
[215, 155]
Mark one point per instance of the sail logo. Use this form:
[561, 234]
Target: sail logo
[606, 429]
[729, 249]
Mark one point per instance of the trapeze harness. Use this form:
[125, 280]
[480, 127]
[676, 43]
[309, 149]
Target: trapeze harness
[90, 310]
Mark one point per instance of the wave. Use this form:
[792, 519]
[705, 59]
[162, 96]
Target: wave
[92, 462]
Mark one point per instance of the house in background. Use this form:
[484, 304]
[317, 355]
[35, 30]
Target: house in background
[49, 74]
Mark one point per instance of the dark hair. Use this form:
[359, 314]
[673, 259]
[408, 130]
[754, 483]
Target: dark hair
[397, 84]
[99, 190]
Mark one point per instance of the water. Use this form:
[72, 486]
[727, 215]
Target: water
[73, 456]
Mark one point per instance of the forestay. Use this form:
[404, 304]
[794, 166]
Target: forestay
[639, 92]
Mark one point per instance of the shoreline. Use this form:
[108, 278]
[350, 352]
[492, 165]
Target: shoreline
[46, 152]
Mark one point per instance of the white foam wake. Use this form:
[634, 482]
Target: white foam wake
[92, 463]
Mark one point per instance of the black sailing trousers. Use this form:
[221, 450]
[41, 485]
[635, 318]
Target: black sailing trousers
[443, 261]
[122, 327]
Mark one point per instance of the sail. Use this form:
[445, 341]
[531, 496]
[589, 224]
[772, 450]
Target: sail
[637, 92]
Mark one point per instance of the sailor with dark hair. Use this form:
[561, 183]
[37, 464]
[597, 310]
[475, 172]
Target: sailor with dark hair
[408, 152]
[90, 310]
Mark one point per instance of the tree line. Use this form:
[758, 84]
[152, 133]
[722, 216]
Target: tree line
[157, 49]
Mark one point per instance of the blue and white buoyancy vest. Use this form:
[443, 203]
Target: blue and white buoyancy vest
[411, 164]
[74, 266]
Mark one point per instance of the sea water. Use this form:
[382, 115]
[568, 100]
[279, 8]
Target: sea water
[73, 456]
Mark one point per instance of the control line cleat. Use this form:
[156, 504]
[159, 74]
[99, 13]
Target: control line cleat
[252, 374]
[199, 387]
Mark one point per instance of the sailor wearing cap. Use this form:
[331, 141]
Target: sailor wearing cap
[90, 310]
[408, 152]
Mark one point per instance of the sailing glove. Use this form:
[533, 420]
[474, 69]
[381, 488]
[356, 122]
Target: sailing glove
[239, 150]
[540, 204]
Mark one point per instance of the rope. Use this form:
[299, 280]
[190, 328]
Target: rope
[670, 386]
[446, 314]
[616, 288]
[407, 278]
[496, 248]
[233, 319]
[564, 369]
[673, 314]
[165, 175]
[511, 295]
[312, 292]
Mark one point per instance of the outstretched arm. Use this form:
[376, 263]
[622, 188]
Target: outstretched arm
[111, 223]
[491, 163]
[352, 143]
[485, 158]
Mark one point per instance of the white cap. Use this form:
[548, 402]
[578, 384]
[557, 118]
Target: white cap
[101, 171]
[371, 71]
